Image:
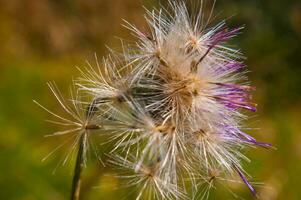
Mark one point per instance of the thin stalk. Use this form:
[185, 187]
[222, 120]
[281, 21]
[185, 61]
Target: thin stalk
[76, 183]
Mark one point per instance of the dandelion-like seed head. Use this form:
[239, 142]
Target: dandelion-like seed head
[171, 106]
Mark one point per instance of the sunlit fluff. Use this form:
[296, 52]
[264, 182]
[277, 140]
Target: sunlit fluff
[78, 122]
[171, 105]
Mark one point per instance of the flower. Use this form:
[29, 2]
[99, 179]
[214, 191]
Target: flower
[190, 80]
[170, 106]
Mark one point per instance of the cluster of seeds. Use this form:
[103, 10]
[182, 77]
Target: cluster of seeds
[170, 106]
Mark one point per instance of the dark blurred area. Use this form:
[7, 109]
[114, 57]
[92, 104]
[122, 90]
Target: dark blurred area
[44, 40]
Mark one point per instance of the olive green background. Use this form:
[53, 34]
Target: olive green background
[44, 40]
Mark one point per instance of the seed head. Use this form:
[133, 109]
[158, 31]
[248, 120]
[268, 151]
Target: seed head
[171, 105]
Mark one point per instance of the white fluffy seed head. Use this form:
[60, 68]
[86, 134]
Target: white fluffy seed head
[171, 108]
[193, 86]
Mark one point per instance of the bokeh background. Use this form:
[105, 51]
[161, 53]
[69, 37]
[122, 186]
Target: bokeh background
[44, 40]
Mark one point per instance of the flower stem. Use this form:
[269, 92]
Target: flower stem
[76, 183]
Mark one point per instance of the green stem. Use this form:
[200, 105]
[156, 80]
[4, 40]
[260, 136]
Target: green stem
[76, 183]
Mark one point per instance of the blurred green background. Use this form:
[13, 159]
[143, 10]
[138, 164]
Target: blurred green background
[44, 40]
